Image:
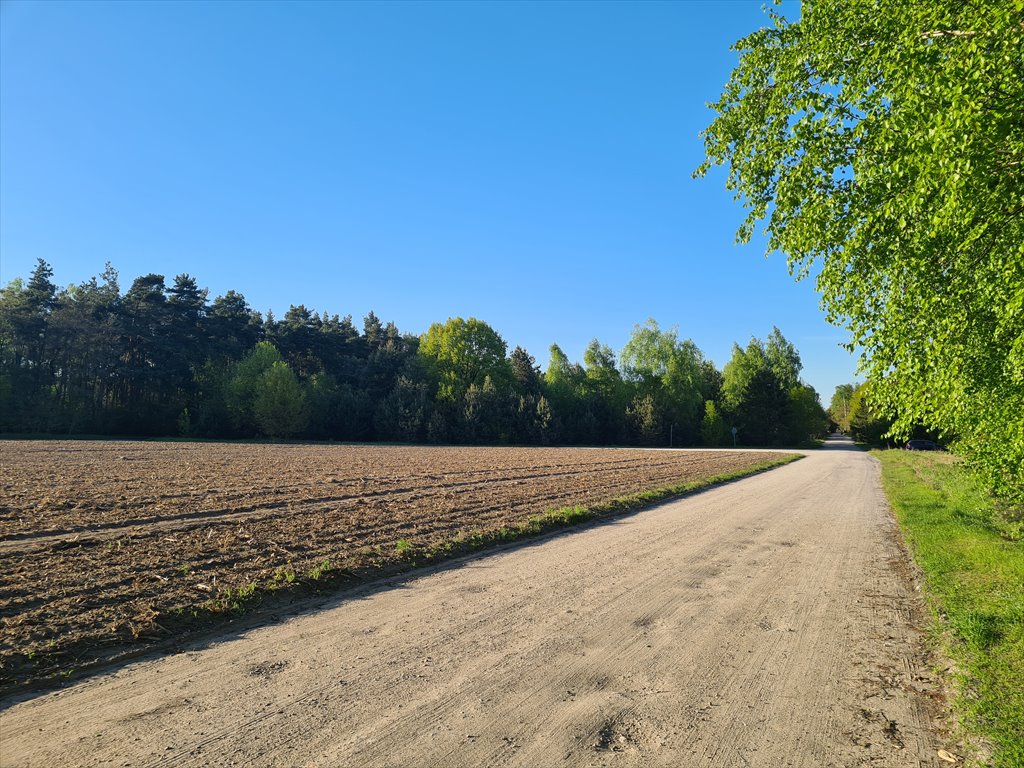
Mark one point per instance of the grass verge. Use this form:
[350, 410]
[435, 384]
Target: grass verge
[563, 517]
[974, 581]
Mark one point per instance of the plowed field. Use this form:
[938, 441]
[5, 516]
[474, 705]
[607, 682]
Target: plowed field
[106, 543]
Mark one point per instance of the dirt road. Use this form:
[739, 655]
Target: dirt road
[767, 622]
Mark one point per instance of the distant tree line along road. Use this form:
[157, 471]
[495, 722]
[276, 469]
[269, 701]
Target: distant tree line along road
[162, 360]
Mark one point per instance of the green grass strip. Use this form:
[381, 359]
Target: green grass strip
[562, 517]
[974, 582]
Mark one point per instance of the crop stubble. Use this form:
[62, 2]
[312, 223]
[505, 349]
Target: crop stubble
[104, 543]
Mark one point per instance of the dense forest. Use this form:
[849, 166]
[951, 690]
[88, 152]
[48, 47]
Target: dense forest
[162, 360]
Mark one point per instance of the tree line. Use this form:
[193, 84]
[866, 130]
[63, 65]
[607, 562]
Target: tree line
[162, 360]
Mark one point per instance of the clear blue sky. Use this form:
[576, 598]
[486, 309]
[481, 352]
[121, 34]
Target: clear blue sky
[525, 163]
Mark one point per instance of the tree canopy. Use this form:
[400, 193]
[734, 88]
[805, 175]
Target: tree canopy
[839, 406]
[670, 372]
[763, 393]
[463, 353]
[881, 144]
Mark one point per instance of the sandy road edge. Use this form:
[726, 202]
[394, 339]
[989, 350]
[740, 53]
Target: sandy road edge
[969, 748]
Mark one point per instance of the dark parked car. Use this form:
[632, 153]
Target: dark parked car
[922, 445]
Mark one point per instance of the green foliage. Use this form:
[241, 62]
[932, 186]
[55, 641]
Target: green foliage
[646, 421]
[671, 372]
[866, 424]
[777, 355]
[205, 401]
[284, 574]
[568, 393]
[764, 411]
[402, 416]
[783, 359]
[186, 428]
[264, 396]
[807, 419]
[460, 353]
[526, 375]
[321, 570]
[974, 580]
[659, 360]
[763, 394]
[713, 429]
[839, 407]
[886, 143]
[403, 546]
[607, 393]
[562, 379]
[544, 421]
[51, 351]
[484, 419]
[236, 600]
[233, 327]
[279, 406]
[241, 392]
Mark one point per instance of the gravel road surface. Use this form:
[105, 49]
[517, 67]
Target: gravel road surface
[767, 622]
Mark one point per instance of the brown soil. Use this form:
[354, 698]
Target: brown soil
[107, 543]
